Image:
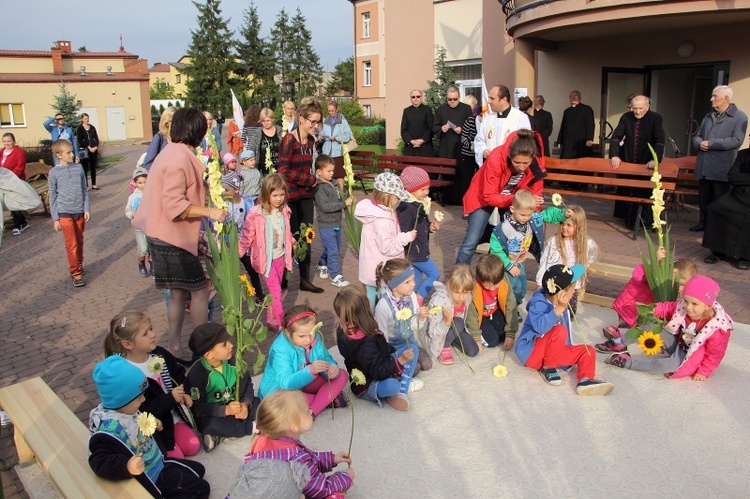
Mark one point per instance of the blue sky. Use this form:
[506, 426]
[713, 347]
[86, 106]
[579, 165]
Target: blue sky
[159, 30]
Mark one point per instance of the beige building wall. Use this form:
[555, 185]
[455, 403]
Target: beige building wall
[458, 28]
[34, 65]
[497, 47]
[370, 49]
[36, 98]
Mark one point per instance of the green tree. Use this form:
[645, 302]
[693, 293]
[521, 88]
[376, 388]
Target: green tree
[210, 73]
[161, 90]
[67, 104]
[82, 48]
[306, 71]
[281, 37]
[444, 78]
[257, 64]
[343, 77]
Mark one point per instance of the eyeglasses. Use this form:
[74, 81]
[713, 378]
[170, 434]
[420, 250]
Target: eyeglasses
[452, 100]
[313, 122]
[416, 96]
[60, 119]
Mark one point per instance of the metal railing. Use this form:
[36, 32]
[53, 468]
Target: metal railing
[513, 7]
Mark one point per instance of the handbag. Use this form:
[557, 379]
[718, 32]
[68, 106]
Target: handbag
[83, 153]
[352, 144]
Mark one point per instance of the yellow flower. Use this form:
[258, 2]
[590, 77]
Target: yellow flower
[317, 327]
[427, 203]
[500, 371]
[309, 235]
[551, 285]
[439, 217]
[146, 424]
[404, 314]
[156, 364]
[557, 199]
[358, 377]
[656, 177]
[650, 343]
[249, 287]
[218, 227]
[436, 310]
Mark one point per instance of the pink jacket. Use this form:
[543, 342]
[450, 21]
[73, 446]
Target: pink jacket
[636, 290]
[382, 238]
[255, 236]
[710, 344]
[175, 181]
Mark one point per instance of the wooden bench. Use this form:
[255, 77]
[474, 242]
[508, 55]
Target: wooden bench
[687, 184]
[45, 429]
[436, 168]
[363, 163]
[39, 172]
[598, 172]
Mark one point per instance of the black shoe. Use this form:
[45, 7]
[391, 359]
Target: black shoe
[711, 259]
[151, 268]
[697, 228]
[743, 264]
[142, 268]
[308, 286]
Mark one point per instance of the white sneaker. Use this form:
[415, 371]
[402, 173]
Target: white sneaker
[416, 385]
[322, 271]
[339, 281]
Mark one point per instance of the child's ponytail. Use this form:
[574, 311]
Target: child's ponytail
[123, 327]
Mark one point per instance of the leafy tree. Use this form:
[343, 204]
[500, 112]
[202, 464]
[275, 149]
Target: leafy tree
[82, 48]
[257, 65]
[306, 70]
[161, 90]
[153, 110]
[210, 73]
[351, 110]
[343, 77]
[67, 104]
[281, 36]
[444, 78]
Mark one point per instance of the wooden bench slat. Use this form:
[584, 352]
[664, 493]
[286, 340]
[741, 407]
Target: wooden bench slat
[59, 440]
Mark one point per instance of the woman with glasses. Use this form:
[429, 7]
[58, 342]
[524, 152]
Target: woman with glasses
[270, 139]
[296, 165]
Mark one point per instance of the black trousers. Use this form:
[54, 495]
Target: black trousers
[183, 478]
[303, 211]
[18, 219]
[89, 165]
[708, 192]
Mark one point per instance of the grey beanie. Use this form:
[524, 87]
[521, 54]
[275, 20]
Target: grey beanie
[264, 478]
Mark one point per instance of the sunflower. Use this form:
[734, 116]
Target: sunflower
[249, 287]
[146, 424]
[156, 364]
[358, 377]
[500, 371]
[650, 342]
[309, 235]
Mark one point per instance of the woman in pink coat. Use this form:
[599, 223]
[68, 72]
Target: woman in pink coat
[695, 336]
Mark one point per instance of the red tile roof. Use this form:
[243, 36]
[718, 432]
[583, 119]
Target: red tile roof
[69, 77]
[48, 53]
[159, 68]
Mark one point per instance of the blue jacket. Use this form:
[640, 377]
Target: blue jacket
[287, 369]
[541, 319]
[340, 126]
[55, 131]
[499, 241]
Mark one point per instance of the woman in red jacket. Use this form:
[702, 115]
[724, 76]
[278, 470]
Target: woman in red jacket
[14, 159]
[517, 164]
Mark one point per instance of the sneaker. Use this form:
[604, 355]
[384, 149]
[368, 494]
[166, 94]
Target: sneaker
[398, 402]
[210, 442]
[593, 387]
[446, 357]
[551, 376]
[618, 359]
[17, 231]
[78, 281]
[484, 343]
[610, 346]
[339, 281]
[142, 268]
[341, 400]
[611, 332]
[416, 385]
[322, 271]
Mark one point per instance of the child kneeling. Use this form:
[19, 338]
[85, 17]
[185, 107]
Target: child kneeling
[114, 452]
[545, 341]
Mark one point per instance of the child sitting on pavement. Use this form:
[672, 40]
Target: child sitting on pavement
[636, 291]
[520, 232]
[695, 336]
[117, 448]
[545, 341]
[492, 315]
[219, 411]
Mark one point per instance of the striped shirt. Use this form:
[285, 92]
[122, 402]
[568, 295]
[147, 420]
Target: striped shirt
[67, 191]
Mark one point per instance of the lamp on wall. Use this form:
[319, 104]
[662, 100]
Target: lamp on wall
[686, 49]
[83, 71]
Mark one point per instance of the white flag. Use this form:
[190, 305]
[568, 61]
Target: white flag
[237, 113]
[485, 97]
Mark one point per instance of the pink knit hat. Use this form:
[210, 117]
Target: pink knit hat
[702, 288]
[414, 178]
[229, 158]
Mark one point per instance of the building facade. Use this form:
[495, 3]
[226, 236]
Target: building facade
[112, 88]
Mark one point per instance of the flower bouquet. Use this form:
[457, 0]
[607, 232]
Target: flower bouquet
[352, 226]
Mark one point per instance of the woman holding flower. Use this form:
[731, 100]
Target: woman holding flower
[170, 214]
[270, 138]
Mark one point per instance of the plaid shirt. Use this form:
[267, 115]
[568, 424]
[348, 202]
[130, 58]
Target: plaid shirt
[296, 165]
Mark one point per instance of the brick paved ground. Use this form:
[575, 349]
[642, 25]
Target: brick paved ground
[55, 331]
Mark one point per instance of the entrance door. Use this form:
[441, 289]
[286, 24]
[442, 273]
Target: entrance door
[617, 85]
[116, 123]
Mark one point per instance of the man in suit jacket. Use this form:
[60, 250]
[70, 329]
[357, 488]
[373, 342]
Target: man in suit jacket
[416, 127]
[576, 130]
[543, 122]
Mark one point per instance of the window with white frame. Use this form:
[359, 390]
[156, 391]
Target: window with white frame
[12, 114]
[178, 79]
[368, 74]
[366, 25]
[368, 110]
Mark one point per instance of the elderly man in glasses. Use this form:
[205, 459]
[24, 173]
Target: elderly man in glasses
[449, 119]
[59, 130]
[416, 127]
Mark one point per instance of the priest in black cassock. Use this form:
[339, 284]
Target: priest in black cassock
[543, 122]
[576, 130]
[449, 119]
[636, 130]
[416, 127]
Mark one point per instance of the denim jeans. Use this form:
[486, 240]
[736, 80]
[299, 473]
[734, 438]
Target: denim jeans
[331, 238]
[478, 220]
[409, 367]
[519, 284]
[431, 272]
